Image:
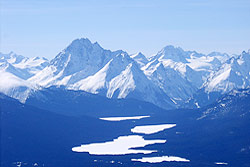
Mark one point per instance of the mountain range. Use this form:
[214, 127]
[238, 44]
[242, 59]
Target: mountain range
[172, 78]
[89, 97]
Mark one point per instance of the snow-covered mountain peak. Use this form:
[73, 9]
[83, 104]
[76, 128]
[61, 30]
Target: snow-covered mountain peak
[39, 58]
[122, 58]
[140, 59]
[81, 55]
[168, 78]
[222, 57]
[233, 74]
[245, 55]
[80, 60]
[99, 81]
[138, 55]
[80, 42]
[169, 81]
[14, 86]
[12, 58]
[176, 54]
[121, 77]
[171, 48]
[20, 66]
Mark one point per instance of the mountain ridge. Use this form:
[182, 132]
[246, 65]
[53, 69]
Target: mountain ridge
[172, 78]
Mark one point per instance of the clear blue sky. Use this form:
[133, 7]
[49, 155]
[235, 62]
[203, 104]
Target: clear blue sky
[45, 27]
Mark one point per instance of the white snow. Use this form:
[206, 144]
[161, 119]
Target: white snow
[9, 80]
[86, 66]
[167, 79]
[197, 105]
[150, 129]
[123, 118]
[120, 146]
[124, 82]
[223, 76]
[22, 67]
[140, 59]
[14, 87]
[233, 74]
[161, 159]
[223, 105]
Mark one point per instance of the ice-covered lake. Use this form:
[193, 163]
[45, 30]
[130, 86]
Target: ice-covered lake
[161, 159]
[120, 146]
[150, 129]
[123, 118]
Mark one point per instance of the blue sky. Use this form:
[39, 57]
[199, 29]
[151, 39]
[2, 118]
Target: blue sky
[45, 27]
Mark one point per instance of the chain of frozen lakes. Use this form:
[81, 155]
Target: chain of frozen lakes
[127, 144]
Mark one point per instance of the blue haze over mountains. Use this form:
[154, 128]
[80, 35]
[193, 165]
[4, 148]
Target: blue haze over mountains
[48, 107]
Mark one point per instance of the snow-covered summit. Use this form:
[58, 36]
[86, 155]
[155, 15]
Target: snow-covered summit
[14, 72]
[12, 58]
[87, 66]
[193, 66]
[168, 79]
[79, 55]
[20, 66]
[76, 62]
[121, 77]
[233, 74]
[140, 59]
[170, 52]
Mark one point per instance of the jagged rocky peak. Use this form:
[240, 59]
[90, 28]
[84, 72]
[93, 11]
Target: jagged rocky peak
[81, 53]
[219, 54]
[83, 43]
